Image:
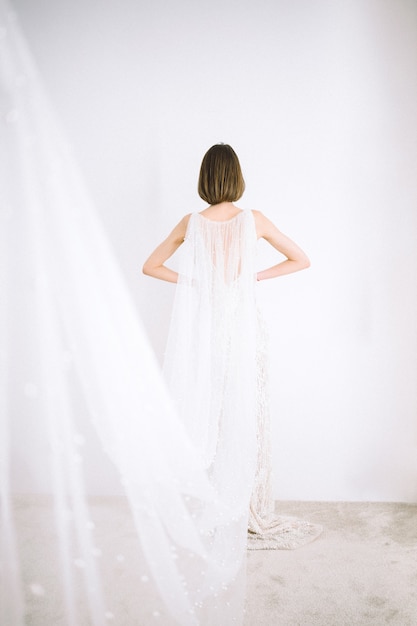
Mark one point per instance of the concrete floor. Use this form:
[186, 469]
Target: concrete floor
[361, 571]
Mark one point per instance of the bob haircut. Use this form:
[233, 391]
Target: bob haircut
[220, 178]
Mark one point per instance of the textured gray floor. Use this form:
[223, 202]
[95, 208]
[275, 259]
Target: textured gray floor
[361, 571]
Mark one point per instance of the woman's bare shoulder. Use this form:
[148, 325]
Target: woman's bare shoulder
[178, 232]
[186, 219]
[263, 224]
[259, 216]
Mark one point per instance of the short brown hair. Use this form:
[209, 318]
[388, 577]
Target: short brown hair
[220, 178]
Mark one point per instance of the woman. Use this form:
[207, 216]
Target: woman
[215, 361]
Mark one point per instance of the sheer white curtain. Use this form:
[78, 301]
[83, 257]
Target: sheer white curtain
[73, 352]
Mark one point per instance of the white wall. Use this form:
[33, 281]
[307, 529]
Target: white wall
[318, 99]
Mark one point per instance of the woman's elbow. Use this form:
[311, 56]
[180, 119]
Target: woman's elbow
[306, 263]
[303, 263]
[147, 269]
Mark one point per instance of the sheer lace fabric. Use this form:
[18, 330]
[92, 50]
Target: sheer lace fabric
[266, 529]
[209, 369]
[216, 368]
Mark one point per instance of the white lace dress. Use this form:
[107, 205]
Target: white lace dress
[216, 368]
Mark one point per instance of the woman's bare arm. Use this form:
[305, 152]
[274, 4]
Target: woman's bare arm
[296, 258]
[154, 265]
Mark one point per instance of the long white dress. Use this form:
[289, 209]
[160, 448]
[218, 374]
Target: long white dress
[216, 369]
